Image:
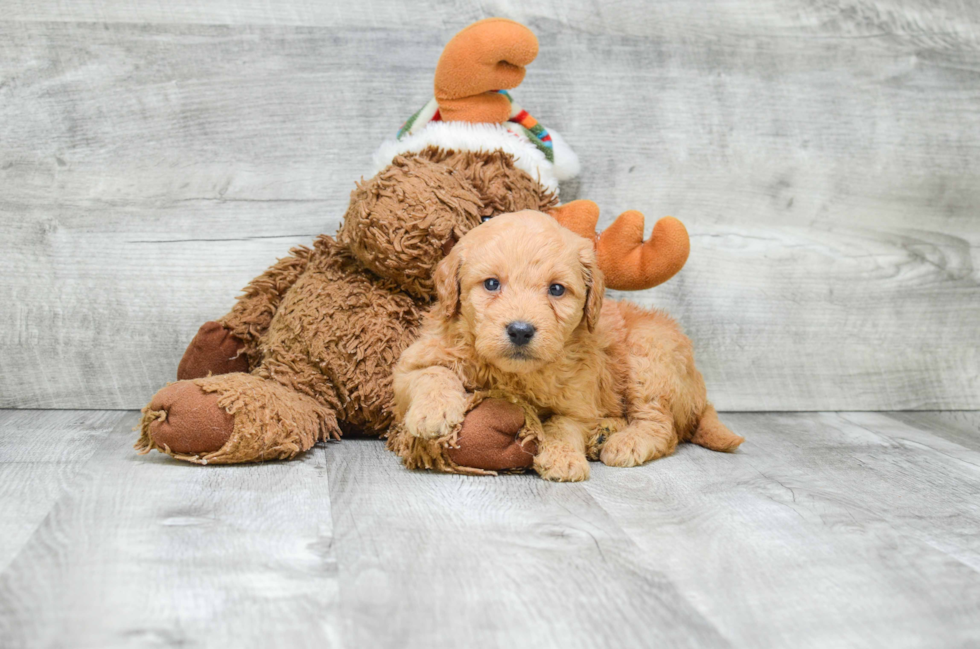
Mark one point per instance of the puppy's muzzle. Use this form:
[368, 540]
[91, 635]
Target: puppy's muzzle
[520, 332]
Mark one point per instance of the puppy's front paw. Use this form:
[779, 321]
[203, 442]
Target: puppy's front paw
[625, 450]
[436, 417]
[561, 464]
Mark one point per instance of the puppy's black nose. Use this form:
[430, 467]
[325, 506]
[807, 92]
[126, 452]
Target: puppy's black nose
[520, 332]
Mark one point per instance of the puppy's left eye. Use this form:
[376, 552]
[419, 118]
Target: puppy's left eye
[556, 290]
[491, 284]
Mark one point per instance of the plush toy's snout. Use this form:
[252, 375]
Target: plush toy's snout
[401, 222]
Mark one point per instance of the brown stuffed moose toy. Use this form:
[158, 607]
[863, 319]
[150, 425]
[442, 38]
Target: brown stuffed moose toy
[306, 353]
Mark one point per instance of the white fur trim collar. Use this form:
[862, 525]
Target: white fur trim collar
[463, 136]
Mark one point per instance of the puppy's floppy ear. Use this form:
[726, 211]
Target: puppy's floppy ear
[447, 284]
[595, 288]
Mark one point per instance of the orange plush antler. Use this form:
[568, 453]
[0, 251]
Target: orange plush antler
[581, 217]
[628, 262]
[488, 55]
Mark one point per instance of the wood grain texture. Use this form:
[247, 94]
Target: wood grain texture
[824, 530]
[142, 551]
[41, 455]
[959, 426]
[517, 562]
[154, 157]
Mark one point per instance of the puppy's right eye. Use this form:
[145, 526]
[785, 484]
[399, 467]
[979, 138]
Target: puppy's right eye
[491, 284]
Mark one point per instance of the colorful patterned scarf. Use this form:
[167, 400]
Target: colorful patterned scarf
[530, 128]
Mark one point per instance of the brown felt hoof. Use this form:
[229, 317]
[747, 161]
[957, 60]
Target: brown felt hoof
[214, 350]
[193, 423]
[488, 439]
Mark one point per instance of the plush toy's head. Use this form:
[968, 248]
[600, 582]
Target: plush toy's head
[512, 161]
[404, 220]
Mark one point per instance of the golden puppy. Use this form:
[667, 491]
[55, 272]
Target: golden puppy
[521, 310]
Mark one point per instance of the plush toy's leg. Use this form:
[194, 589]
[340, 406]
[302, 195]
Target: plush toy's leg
[233, 418]
[214, 350]
[489, 440]
[230, 344]
[497, 435]
[249, 319]
[184, 419]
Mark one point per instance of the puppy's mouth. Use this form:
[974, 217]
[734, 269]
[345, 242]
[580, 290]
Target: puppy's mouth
[520, 354]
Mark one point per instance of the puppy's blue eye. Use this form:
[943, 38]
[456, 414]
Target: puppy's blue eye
[556, 290]
[491, 284]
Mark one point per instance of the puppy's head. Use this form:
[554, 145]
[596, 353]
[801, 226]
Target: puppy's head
[522, 285]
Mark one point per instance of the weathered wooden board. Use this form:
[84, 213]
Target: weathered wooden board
[959, 426]
[824, 530]
[514, 562]
[41, 454]
[142, 551]
[932, 21]
[154, 157]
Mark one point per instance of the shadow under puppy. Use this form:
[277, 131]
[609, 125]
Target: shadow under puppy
[521, 311]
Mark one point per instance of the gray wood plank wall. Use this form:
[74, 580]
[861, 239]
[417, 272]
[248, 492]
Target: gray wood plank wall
[824, 155]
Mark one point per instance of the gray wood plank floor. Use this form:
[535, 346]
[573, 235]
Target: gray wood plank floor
[825, 530]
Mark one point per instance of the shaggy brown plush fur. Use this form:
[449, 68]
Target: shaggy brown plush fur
[589, 369]
[323, 327]
[502, 187]
[249, 319]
